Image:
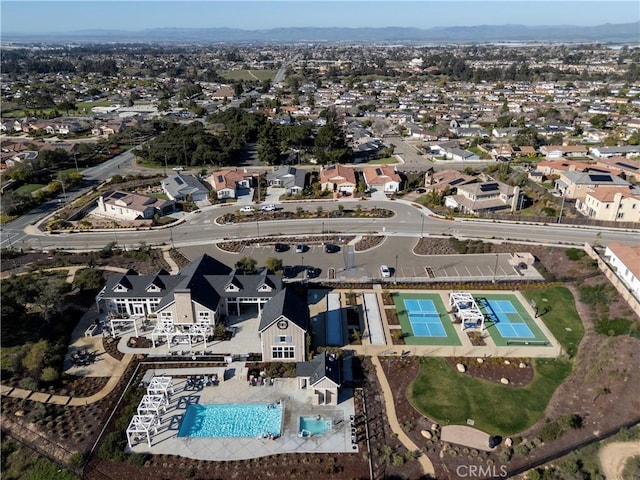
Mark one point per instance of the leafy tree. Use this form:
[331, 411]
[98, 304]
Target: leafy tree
[273, 264]
[89, 279]
[599, 121]
[268, 144]
[34, 360]
[246, 265]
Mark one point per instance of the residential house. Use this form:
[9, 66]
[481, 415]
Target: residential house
[338, 178]
[485, 197]
[322, 374]
[460, 155]
[625, 261]
[194, 300]
[227, 183]
[446, 180]
[290, 178]
[576, 185]
[556, 167]
[620, 151]
[181, 187]
[627, 166]
[131, 206]
[283, 325]
[559, 151]
[615, 204]
[383, 178]
[505, 132]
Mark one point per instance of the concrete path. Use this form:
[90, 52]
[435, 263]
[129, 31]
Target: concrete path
[614, 456]
[172, 264]
[427, 466]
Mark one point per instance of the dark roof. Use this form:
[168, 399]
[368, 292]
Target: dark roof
[288, 304]
[205, 278]
[325, 365]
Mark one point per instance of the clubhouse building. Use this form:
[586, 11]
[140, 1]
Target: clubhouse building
[187, 306]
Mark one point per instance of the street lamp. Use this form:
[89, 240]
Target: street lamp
[64, 193]
[395, 271]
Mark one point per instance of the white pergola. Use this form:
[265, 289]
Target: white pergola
[142, 426]
[160, 386]
[128, 320]
[152, 405]
[182, 334]
[467, 310]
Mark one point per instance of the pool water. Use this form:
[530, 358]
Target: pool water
[232, 420]
[314, 426]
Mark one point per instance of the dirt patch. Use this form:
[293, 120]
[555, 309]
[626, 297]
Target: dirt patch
[517, 370]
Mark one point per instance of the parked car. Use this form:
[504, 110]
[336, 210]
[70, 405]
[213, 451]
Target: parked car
[281, 247]
[384, 271]
[268, 208]
[313, 272]
[301, 248]
[178, 169]
[247, 209]
[331, 248]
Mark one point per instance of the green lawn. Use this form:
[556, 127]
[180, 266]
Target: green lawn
[161, 196]
[450, 397]
[561, 319]
[29, 188]
[249, 74]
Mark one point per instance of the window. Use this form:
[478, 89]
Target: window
[166, 315]
[203, 314]
[283, 352]
[633, 206]
[121, 307]
[282, 339]
[621, 215]
[606, 205]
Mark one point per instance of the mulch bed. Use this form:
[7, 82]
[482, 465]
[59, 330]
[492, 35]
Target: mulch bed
[367, 242]
[110, 346]
[392, 316]
[493, 369]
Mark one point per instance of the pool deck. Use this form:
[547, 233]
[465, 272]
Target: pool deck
[296, 402]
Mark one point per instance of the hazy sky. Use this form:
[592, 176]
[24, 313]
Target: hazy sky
[26, 16]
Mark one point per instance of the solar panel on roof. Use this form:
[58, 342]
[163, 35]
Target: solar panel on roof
[488, 187]
[600, 178]
[626, 165]
[456, 181]
[179, 181]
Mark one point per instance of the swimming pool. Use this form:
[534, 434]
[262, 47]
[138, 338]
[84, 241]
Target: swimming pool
[232, 420]
[314, 425]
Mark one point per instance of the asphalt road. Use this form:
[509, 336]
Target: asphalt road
[201, 229]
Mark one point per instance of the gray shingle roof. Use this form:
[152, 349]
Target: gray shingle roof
[183, 185]
[322, 366]
[286, 303]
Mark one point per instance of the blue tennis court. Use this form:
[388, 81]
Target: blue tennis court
[502, 312]
[424, 318]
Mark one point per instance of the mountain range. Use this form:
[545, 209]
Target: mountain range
[610, 33]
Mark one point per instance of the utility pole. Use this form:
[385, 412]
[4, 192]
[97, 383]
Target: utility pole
[564, 193]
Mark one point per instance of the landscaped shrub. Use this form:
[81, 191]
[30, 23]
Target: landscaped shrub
[614, 326]
[551, 431]
[112, 447]
[575, 254]
[573, 420]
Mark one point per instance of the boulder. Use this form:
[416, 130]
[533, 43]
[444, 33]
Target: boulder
[479, 360]
[435, 427]
[507, 362]
[508, 442]
[461, 368]
[426, 434]
[522, 365]
[19, 413]
[504, 381]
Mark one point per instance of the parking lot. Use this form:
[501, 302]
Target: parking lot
[395, 252]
